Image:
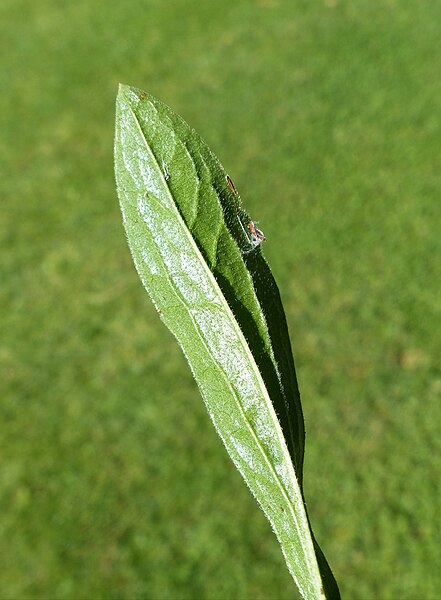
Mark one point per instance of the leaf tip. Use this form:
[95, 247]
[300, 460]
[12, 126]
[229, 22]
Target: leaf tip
[128, 92]
[123, 89]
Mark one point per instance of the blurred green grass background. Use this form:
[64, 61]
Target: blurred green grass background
[326, 113]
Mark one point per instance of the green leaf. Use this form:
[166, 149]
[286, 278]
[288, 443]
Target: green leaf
[199, 257]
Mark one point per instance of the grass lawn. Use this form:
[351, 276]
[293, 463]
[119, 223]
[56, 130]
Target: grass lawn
[327, 115]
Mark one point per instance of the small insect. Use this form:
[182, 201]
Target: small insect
[231, 185]
[255, 236]
[165, 170]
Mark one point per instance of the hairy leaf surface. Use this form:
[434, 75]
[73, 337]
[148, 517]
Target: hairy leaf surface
[199, 257]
